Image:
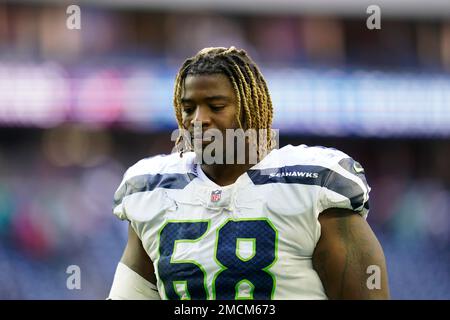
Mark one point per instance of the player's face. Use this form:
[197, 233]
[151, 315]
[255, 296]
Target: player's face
[210, 100]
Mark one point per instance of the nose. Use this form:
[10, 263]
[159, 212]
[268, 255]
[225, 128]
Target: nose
[201, 116]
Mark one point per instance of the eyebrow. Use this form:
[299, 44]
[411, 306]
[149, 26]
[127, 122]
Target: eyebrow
[210, 98]
[217, 98]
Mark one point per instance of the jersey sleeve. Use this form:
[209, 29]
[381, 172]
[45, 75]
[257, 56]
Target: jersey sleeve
[345, 187]
[134, 180]
[119, 195]
[142, 192]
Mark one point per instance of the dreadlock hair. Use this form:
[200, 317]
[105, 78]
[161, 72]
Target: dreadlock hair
[253, 98]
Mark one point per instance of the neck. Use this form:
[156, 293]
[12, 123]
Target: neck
[225, 174]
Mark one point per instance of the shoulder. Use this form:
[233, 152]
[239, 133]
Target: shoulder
[307, 155]
[157, 164]
[342, 178]
[303, 155]
[161, 171]
[160, 164]
[327, 167]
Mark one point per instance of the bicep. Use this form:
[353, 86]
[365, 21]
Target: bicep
[346, 248]
[135, 257]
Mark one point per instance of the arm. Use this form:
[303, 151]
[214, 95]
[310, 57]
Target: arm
[135, 257]
[346, 248]
[135, 277]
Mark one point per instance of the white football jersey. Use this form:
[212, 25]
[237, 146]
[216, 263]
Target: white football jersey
[253, 239]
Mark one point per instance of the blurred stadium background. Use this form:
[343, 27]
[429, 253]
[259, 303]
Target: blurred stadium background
[77, 107]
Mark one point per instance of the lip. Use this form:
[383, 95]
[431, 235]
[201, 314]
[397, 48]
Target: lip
[204, 141]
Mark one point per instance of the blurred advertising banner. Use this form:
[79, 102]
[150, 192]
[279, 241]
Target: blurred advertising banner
[308, 101]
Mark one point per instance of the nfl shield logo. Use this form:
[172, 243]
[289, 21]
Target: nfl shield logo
[215, 195]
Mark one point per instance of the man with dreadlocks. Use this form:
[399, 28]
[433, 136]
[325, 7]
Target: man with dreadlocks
[291, 226]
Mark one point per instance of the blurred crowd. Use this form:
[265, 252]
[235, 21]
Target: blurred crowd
[112, 35]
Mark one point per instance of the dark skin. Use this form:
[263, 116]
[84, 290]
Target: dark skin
[210, 100]
[347, 245]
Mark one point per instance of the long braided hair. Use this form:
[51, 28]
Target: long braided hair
[253, 98]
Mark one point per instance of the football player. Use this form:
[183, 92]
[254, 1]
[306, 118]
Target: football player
[291, 226]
